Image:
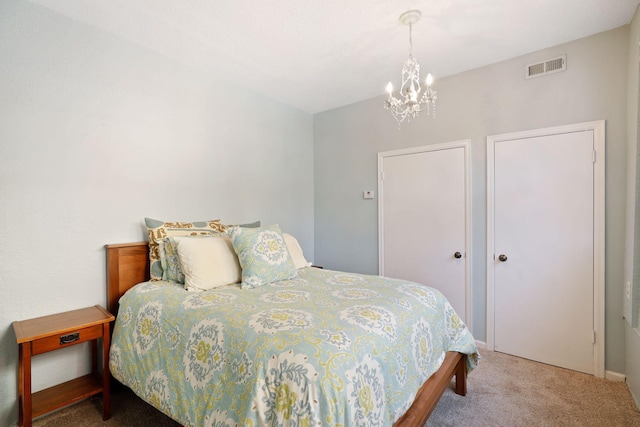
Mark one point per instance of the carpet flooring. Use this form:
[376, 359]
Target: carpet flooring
[503, 391]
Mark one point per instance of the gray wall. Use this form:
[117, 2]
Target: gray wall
[491, 100]
[632, 335]
[96, 134]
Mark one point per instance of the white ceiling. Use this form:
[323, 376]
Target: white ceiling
[321, 54]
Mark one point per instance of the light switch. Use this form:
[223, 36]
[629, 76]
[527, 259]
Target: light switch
[368, 194]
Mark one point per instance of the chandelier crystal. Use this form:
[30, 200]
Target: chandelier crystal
[410, 100]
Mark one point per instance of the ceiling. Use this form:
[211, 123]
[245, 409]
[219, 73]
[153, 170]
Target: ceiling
[321, 54]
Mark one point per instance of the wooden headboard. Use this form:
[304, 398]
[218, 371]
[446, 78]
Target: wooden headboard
[127, 265]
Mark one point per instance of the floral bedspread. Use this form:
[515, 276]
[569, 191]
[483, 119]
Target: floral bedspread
[324, 348]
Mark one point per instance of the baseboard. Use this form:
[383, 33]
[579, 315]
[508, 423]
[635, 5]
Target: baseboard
[481, 345]
[614, 376]
[609, 375]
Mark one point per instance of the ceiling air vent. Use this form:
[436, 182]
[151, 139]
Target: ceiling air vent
[549, 66]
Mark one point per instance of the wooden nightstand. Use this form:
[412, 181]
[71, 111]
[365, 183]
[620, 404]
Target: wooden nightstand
[48, 333]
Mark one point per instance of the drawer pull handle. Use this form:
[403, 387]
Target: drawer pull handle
[66, 339]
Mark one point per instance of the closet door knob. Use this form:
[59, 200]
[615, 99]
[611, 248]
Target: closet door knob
[457, 255]
[502, 257]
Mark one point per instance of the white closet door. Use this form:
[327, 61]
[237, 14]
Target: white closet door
[423, 213]
[544, 249]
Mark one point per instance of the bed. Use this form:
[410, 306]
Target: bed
[322, 348]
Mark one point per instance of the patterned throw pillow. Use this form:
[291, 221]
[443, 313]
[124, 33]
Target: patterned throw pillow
[158, 230]
[255, 224]
[169, 260]
[263, 255]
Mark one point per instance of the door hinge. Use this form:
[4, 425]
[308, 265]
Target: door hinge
[593, 156]
[593, 340]
[382, 175]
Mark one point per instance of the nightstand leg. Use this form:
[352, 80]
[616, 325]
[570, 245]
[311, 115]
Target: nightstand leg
[20, 386]
[106, 375]
[94, 356]
[24, 385]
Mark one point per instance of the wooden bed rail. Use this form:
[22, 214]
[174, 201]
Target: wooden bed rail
[429, 394]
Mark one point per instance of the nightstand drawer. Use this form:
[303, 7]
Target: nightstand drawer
[55, 342]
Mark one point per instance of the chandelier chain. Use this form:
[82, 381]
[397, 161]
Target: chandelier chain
[410, 40]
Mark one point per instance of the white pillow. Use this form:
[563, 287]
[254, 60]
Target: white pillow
[295, 251]
[207, 262]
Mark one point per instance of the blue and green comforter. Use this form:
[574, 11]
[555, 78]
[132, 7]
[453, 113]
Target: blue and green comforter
[324, 348]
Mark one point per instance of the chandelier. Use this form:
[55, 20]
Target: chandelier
[409, 101]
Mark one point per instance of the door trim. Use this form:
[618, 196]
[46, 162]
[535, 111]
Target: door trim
[466, 145]
[598, 128]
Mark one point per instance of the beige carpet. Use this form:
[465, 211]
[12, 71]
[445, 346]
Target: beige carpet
[503, 391]
[509, 391]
